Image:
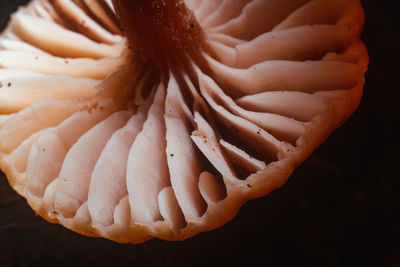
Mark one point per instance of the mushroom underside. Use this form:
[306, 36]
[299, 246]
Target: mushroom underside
[102, 137]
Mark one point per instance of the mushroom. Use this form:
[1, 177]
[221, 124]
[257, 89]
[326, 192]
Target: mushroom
[130, 120]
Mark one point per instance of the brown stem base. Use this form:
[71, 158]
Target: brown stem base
[163, 33]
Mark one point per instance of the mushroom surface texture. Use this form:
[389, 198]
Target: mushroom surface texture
[130, 119]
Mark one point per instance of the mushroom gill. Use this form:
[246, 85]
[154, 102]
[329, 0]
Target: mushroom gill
[138, 119]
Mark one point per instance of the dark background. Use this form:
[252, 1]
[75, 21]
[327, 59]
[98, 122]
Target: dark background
[340, 208]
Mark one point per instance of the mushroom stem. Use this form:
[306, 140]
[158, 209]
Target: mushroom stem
[163, 33]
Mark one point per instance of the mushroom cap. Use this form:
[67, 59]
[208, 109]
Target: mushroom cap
[110, 147]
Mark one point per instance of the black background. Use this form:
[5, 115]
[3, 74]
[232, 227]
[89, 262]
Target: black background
[340, 208]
